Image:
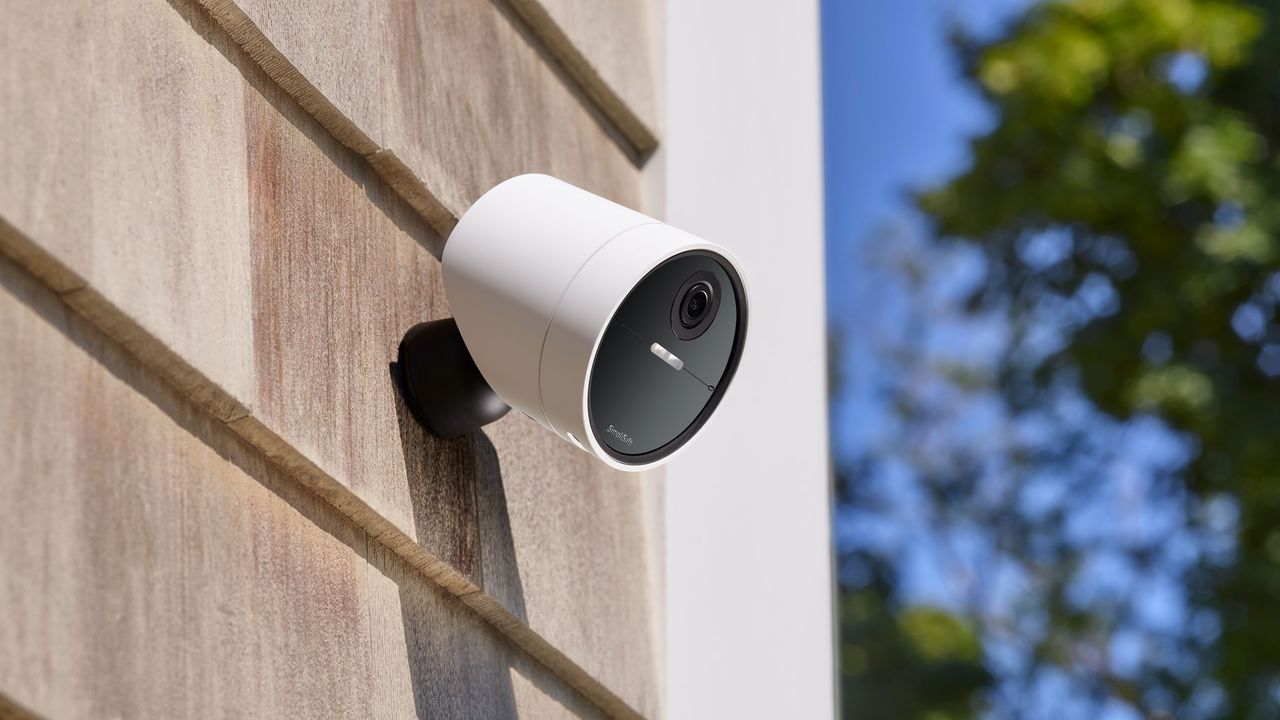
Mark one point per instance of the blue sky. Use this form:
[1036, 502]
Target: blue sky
[895, 116]
[894, 112]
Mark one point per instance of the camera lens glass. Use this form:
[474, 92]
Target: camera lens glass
[694, 305]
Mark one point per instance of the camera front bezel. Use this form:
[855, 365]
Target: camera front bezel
[731, 367]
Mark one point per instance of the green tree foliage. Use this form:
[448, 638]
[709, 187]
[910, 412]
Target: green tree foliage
[918, 664]
[1143, 137]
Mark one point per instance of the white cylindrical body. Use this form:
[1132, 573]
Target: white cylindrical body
[534, 271]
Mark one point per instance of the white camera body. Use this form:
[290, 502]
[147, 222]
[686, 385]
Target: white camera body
[612, 329]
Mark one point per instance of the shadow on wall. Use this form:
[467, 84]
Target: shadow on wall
[11, 710]
[460, 514]
[460, 505]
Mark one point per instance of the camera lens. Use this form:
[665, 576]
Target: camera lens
[694, 305]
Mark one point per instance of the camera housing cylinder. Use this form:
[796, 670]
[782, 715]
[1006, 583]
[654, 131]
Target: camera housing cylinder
[613, 330]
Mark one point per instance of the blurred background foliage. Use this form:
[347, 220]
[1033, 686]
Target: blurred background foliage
[1076, 511]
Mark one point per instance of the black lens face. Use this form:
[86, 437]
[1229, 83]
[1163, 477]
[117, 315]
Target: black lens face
[694, 306]
[666, 357]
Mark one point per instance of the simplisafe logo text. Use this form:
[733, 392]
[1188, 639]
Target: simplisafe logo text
[622, 437]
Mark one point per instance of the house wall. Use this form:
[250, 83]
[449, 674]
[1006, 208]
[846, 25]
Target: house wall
[217, 219]
[749, 609]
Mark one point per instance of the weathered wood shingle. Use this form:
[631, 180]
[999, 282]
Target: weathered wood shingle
[152, 565]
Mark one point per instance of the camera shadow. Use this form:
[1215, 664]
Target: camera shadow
[460, 514]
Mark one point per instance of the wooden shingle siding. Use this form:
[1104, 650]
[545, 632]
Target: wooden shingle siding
[610, 50]
[446, 97]
[152, 565]
[255, 233]
[122, 155]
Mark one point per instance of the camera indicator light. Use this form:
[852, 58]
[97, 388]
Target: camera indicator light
[666, 356]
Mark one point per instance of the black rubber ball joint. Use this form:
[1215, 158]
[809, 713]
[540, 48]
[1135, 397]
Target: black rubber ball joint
[441, 384]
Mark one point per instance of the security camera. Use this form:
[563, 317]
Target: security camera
[615, 331]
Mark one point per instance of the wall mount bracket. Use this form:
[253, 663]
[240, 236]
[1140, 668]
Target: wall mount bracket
[441, 384]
